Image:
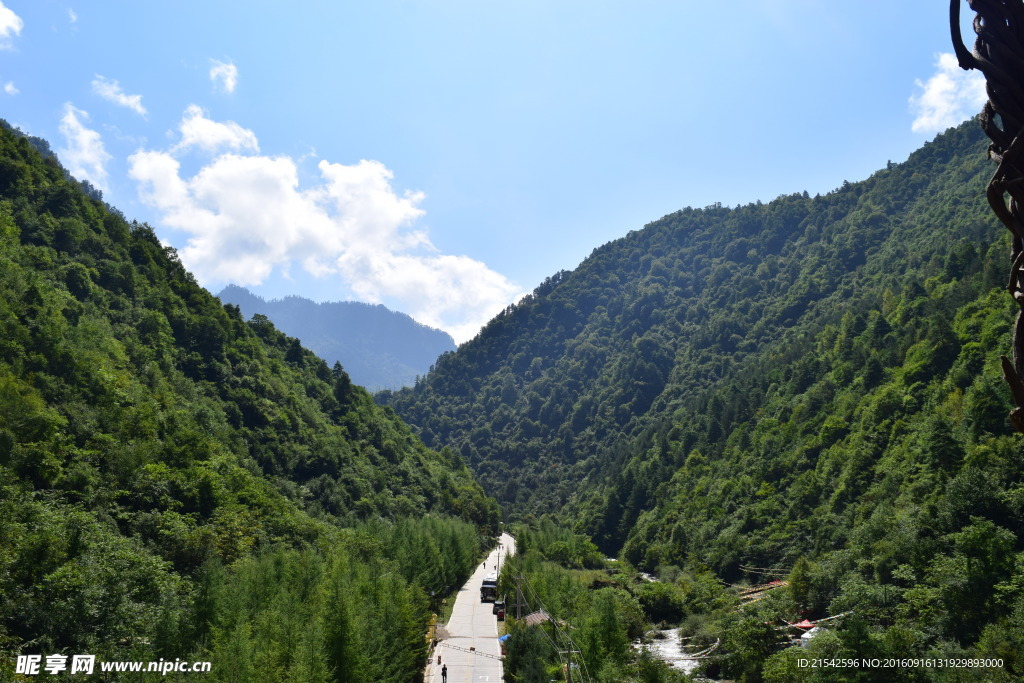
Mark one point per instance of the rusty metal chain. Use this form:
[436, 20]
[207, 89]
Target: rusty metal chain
[999, 55]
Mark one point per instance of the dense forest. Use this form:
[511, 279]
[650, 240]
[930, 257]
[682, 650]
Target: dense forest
[178, 482]
[808, 386]
[804, 390]
[379, 348]
[557, 388]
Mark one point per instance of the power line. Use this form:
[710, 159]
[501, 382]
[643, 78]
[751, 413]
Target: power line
[572, 653]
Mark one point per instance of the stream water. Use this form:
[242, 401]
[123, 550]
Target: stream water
[666, 648]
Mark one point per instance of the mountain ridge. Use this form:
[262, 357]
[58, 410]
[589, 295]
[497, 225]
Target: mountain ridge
[379, 348]
[691, 258]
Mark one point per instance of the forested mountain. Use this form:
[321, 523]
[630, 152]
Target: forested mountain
[558, 386]
[378, 348]
[176, 482]
[811, 382]
[808, 386]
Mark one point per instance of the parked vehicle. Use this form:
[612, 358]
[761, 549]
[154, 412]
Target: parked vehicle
[499, 609]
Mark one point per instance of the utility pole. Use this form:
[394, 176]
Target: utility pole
[519, 597]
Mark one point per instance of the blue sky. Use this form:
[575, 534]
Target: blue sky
[444, 156]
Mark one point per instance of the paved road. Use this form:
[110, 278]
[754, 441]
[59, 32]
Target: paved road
[472, 625]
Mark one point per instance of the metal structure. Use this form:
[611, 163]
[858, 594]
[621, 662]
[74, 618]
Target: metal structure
[472, 650]
[999, 55]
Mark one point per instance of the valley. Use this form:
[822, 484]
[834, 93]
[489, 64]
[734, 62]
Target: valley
[806, 388]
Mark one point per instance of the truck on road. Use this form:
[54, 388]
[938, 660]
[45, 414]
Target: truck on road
[489, 588]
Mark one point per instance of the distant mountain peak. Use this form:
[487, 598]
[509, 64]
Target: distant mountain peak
[378, 347]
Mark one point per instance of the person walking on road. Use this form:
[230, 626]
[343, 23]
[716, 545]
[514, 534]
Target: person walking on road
[444, 674]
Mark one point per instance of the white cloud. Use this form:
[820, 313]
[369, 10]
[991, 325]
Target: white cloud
[72, 17]
[948, 98]
[436, 288]
[224, 75]
[84, 155]
[111, 91]
[10, 88]
[10, 26]
[211, 136]
[246, 216]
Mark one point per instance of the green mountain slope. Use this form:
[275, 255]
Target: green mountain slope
[558, 386]
[379, 348]
[149, 435]
[811, 382]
